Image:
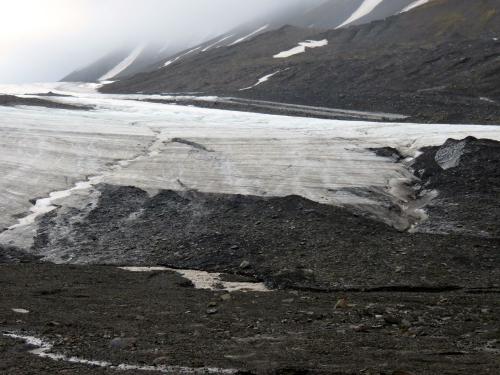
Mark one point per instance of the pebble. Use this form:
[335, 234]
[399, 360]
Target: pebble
[161, 361]
[123, 343]
[245, 264]
[342, 304]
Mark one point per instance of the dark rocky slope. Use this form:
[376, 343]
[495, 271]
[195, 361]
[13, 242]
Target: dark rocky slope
[466, 173]
[436, 63]
[314, 14]
[294, 242]
[12, 101]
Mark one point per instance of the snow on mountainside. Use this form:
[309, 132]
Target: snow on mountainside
[365, 8]
[433, 62]
[328, 14]
[129, 60]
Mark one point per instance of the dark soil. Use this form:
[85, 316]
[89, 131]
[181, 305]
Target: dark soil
[85, 311]
[12, 101]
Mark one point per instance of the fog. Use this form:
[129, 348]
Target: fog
[43, 40]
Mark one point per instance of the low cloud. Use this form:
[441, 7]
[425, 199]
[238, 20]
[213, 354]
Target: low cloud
[43, 40]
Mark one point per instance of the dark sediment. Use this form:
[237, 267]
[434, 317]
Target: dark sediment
[12, 101]
[85, 311]
[466, 174]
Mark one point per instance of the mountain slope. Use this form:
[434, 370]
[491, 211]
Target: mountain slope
[315, 14]
[428, 62]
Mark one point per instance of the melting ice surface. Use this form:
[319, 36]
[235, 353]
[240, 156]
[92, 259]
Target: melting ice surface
[206, 280]
[130, 142]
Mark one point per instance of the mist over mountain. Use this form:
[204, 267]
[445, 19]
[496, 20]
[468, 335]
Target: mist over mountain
[51, 38]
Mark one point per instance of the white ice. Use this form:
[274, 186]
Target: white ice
[44, 349]
[129, 60]
[249, 35]
[127, 142]
[206, 280]
[301, 48]
[365, 8]
[414, 5]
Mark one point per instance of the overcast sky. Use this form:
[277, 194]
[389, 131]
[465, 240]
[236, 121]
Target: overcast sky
[43, 40]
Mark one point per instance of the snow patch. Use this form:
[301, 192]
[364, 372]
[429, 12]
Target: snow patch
[123, 65]
[249, 35]
[216, 43]
[169, 62]
[301, 48]
[261, 80]
[43, 349]
[365, 8]
[414, 5]
[205, 280]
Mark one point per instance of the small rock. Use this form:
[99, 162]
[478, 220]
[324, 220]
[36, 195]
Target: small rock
[21, 311]
[405, 324]
[392, 319]
[212, 304]
[342, 304]
[123, 343]
[234, 247]
[245, 264]
[360, 328]
[212, 311]
[226, 297]
[185, 284]
[161, 361]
